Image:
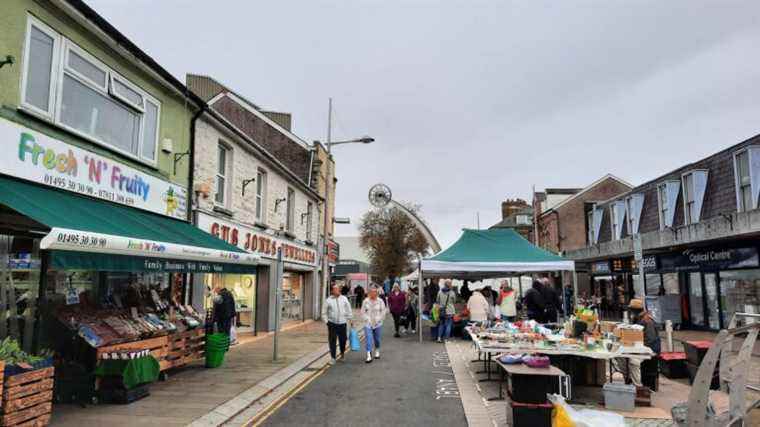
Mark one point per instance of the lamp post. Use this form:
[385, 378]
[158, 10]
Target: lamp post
[328, 218]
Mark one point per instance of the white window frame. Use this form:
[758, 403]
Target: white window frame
[590, 230]
[290, 210]
[662, 204]
[260, 212]
[633, 229]
[617, 229]
[114, 77]
[227, 176]
[737, 180]
[697, 200]
[61, 48]
[55, 65]
[525, 221]
[309, 219]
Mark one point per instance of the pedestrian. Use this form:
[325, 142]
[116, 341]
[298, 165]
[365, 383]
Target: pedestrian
[397, 306]
[359, 292]
[411, 312]
[478, 307]
[552, 303]
[445, 300]
[373, 313]
[224, 310]
[507, 302]
[336, 313]
[534, 302]
[345, 290]
[640, 316]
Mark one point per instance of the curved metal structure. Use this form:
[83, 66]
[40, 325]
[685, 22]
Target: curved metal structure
[380, 196]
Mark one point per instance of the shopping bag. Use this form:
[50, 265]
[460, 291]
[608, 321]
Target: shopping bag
[353, 339]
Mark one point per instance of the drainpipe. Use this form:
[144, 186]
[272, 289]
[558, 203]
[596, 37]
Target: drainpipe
[191, 193]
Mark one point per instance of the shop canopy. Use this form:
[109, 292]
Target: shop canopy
[89, 234]
[492, 253]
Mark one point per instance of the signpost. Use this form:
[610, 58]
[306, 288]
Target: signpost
[278, 303]
[638, 255]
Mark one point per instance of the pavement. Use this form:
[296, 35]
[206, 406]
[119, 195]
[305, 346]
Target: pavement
[412, 384]
[210, 396]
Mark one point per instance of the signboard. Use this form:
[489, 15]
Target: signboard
[601, 267]
[710, 259]
[256, 241]
[333, 252]
[36, 157]
[638, 254]
[85, 241]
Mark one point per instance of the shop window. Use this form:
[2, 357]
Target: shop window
[85, 96]
[667, 193]
[261, 187]
[747, 176]
[222, 173]
[243, 289]
[694, 185]
[309, 220]
[617, 217]
[633, 206]
[740, 292]
[292, 297]
[290, 211]
[653, 284]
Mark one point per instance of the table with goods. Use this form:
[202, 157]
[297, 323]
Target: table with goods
[525, 351]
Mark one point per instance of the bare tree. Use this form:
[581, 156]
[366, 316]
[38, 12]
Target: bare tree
[391, 240]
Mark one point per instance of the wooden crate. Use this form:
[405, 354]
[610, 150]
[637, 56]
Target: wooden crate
[29, 416]
[629, 337]
[27, 398]
[185, 347]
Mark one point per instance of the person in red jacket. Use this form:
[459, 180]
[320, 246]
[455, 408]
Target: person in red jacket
[397, 305]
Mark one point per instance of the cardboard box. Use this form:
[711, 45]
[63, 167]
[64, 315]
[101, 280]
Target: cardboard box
[607, 326]
[630, 337]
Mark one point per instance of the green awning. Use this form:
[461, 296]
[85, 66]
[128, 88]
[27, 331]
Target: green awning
[494, 252]
[92, 234]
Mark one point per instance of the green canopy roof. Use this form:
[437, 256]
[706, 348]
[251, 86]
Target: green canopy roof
[88, 218]
[491, 253]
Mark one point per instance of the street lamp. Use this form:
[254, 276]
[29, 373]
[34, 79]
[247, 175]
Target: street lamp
[363, 140]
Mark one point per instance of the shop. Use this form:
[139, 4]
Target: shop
[95, 256]
[709, 283]
[257, 291]
[612, 285]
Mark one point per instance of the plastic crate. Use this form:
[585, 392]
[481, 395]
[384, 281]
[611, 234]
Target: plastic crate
[123, 396]
[532, 388]
[531, 415]
[620, 397]
[673, 365]
[696, 350]
[692, 369]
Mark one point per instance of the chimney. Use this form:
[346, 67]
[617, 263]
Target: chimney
[510, 206]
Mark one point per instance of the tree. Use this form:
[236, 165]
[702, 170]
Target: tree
[391, 240]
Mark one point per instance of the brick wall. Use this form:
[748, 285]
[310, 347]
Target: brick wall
[245, 164]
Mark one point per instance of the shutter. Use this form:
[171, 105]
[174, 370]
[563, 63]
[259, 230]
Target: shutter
[619, 211]
[637, 203]
[598, 213]
[671, 190]
[754, 173]
[700, 184]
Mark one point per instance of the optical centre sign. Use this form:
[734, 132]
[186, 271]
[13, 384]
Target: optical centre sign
[36, 157]
[255, 241]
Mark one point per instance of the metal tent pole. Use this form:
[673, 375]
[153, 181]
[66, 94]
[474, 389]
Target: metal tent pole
[420, 293]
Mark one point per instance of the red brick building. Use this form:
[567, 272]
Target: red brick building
[517, 214]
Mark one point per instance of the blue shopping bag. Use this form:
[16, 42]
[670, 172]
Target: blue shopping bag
[353, 338]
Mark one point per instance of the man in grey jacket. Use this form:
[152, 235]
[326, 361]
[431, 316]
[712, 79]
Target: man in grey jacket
[336, 313]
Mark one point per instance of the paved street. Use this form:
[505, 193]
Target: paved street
[411, 385]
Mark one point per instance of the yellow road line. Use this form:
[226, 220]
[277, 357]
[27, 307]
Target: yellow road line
[274, 406]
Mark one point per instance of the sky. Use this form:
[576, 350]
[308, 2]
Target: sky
[472, 102]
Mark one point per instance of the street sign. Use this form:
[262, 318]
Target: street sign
[638, 254]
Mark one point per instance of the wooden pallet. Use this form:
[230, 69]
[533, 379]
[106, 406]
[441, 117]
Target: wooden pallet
[185, 347]
[27, 398]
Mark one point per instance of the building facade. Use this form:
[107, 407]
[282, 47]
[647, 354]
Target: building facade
[246, 196]
[517, 214]
[698, 227]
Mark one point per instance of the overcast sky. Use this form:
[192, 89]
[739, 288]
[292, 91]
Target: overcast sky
[471, 101]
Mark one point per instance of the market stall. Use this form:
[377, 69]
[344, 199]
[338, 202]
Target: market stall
[104, 286]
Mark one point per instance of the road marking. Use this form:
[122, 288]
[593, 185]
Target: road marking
[444, 387]
[267, 412]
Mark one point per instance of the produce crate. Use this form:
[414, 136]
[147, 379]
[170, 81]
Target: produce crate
[27, 398]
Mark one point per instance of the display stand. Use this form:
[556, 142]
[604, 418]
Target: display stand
[171, 351]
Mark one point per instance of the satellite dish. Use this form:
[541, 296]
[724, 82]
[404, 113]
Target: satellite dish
[380, 195]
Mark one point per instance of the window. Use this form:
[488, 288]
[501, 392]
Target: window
[667, 193]
[633, 205]
[590, 226]
[290, 209]
[744, 197]
[309, 219]
[522, 220]
[594, 218]
[261, 187]
[222, 164]
[617, 217]
[694, 185]
[85, 96]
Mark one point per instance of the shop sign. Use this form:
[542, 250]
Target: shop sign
[333, 252]
[85, 241]
[47, 161]
[649, 263]
[255, 241]
[601, 267]
[717, 259]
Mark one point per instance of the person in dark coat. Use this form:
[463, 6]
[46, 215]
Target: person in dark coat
[465, 291]
[224, 310]
[359, 292]
[534, 302]
[552, 303]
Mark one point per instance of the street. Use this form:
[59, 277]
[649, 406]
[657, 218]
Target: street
[410, 385]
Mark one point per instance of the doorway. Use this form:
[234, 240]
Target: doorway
[704, 301]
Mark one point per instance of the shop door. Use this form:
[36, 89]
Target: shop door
[712, 301]
[704, 304]
[696, 300]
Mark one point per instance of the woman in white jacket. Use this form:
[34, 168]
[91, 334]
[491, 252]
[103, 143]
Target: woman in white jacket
[373, 313]
[478, 307]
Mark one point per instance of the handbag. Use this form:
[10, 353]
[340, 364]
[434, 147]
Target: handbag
[353, 339]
